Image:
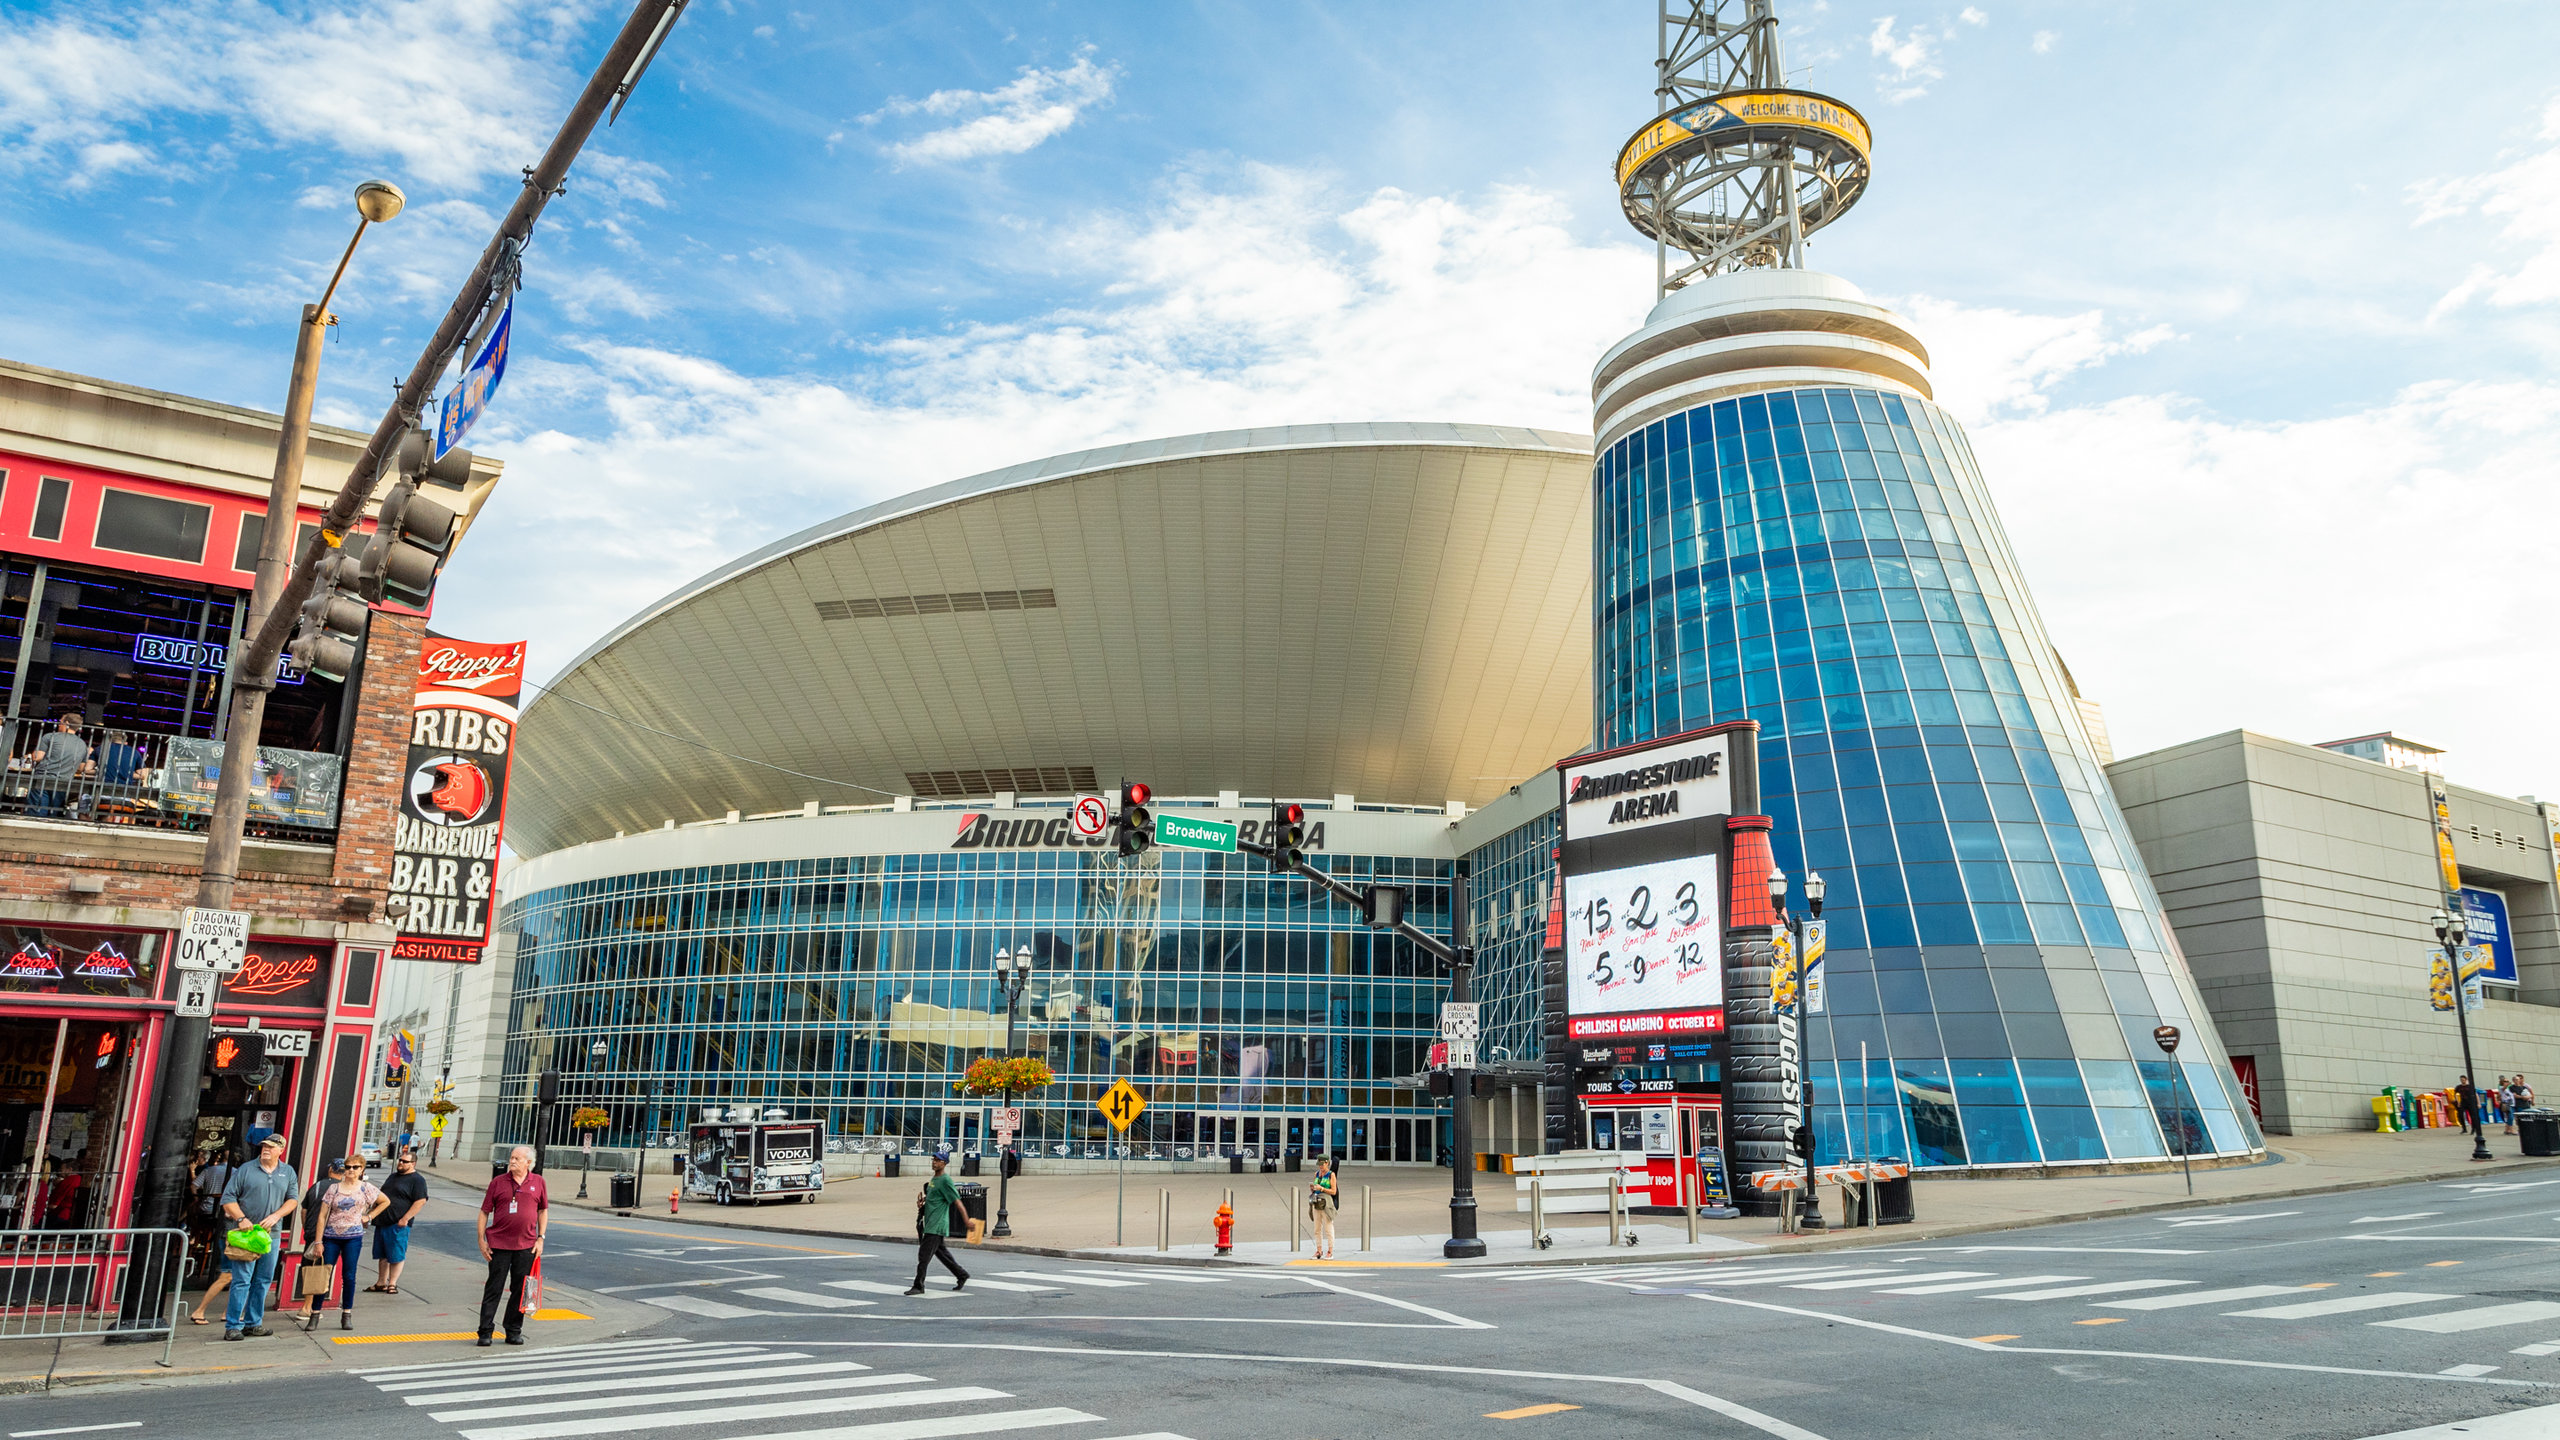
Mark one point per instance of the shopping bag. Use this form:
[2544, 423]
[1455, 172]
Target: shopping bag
[977, 1231]
[248, 1242]
[533, 1288]
[315, 1280]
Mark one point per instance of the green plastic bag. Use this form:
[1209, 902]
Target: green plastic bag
[252, 1238]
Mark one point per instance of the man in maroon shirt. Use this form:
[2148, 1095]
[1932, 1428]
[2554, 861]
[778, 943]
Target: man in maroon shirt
[515, 1213]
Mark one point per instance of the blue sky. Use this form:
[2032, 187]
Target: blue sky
[2252, 316]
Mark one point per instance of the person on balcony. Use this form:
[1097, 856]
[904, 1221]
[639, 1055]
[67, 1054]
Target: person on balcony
[60, 757]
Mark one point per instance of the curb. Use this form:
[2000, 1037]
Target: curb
[38, 1385]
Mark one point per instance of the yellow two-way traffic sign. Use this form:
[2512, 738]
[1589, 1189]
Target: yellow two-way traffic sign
[1120, 1105]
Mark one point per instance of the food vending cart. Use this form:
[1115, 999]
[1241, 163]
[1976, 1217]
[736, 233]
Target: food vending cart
[1671, 1123]
[753, 1161]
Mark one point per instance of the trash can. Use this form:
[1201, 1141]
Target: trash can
[889, 1166]
[973, 1198]
[969, 1163]
[1235, 1162]
[1292, 1162]
[2538, 1131]
[1893, 1200]
[626, 1190]
[1012, 1163]
[1269, 1166]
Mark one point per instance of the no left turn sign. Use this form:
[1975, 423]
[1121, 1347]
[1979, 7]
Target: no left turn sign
[1091, 816]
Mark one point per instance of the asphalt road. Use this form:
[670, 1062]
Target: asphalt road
[2335, 1317]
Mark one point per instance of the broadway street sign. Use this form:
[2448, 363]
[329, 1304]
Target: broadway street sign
[1189, 834]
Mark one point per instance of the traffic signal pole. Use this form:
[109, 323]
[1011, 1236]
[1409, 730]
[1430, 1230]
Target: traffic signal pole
[162, 1198]
[1464, 1241]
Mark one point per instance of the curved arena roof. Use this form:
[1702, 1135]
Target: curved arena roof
[1396, 611]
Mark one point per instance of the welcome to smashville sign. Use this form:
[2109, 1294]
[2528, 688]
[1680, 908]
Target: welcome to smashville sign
[444, 866]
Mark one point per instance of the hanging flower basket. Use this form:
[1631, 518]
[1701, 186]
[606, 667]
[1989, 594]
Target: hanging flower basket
[588, 1117]
[996, 1076]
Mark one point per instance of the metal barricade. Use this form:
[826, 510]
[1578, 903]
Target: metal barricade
[57, 1284]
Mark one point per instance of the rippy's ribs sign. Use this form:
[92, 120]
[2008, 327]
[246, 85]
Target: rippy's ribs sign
[444, 871]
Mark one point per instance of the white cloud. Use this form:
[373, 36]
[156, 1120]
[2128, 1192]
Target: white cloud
[1909, 55]
[1278, 302]
[1972, 16]
[2044, 41]
[444, 94]
[1036, 106]
[2525, 196]
[1990, 363]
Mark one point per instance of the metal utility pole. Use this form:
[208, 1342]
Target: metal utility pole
[274, 606]
[2452, 932]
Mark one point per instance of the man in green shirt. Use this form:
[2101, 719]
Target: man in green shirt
[934, 1207]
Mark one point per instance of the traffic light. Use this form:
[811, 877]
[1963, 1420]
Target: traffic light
[1288, 835]
[413, 534]
[1135, 830]
[331, 631]
[238, 1054]
[546, 1089]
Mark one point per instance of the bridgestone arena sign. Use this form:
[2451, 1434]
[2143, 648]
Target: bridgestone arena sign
[444, 865]
[1643, 851]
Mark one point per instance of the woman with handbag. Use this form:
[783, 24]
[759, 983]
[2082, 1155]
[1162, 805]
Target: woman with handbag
[343, 1207]
[1324, 1196]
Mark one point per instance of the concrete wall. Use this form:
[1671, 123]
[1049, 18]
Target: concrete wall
[2301, 882]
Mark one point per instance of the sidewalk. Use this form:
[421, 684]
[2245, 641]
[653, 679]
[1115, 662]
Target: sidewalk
[1081, 1214]
[434, 1317]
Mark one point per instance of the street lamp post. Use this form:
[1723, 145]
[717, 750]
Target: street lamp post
[2451, 933]
[1013, 974]
[595, 1053]
[1810, 1218]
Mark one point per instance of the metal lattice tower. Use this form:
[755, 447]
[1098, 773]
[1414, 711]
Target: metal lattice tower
[1736, 169]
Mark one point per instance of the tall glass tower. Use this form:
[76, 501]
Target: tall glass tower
[1786, 529]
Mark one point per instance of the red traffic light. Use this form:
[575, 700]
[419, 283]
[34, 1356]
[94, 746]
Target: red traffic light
[1135, 794]
[1293, 814]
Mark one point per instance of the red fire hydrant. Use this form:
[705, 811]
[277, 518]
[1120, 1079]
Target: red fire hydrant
[1226, 1229]
[673, 1195]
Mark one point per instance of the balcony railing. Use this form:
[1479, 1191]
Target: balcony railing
[102, 775]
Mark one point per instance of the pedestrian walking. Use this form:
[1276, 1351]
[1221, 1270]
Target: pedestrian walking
[259, 1196]
[1324, 1196]
[2466, 1105]
[347, 1205]
[2503, 1096]
[936, 1206]
[406, 1191]
[207, 1219]
[515, 1213]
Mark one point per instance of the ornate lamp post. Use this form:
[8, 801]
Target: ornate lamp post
[2451, 933]
[1013, 974]
[1795, 923]
[595, 1054]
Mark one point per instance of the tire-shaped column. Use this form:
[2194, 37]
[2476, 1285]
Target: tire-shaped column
[1758, 1111]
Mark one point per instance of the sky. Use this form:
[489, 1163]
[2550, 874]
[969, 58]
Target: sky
[2252, 316]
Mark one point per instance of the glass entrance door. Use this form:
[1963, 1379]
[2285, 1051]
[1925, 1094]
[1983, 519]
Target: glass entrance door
[961, 1129]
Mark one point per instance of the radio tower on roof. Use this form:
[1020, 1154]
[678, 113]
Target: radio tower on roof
[1736, 169]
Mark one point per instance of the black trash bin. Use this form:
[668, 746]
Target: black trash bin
[2538, 1131]
[1291, 1164]
[1235, 1162]
[1012, 1162]
[889, 1166]
[626, 1191]
[1893, 1199]
[969, 1163]
[973, 1199]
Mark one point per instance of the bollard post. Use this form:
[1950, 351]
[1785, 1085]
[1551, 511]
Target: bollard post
[1689, 1200]
[1164, 1220]
[1617, 1202]
[1537, 1214]
[1364, 1217]
[1293, 1229]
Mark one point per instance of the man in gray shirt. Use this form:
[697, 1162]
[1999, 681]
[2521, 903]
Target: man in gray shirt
[59, 754]
[262, 1194]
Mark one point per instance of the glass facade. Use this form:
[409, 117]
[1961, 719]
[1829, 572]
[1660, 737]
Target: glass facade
[1827, 561]
[1251, 1013]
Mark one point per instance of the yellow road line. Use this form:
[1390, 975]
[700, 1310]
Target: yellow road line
[2107, 1320]
[2322, 1285]
[2382, 1274]
[1992, 1339]
[1525, 1411]
[2440, 1264]
[543, 1314]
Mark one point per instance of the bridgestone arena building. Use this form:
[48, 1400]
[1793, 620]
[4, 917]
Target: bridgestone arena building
[778, 827]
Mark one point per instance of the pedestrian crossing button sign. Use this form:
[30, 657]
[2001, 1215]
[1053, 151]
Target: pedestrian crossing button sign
[1120, 1105]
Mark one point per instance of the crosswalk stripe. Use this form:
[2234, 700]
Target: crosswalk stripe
[2488, 1317]
[545, 1357]
[874, 1287]
[804, 1297]
[1868, 1281]
[2200, 1297]
[689, 1397]
[2468, 1372]
[2071, 1291]
[653, 1381]
[2343, 1305]
[1164, 1273]
[2548, 1347]
[936, 1428]
[727, 1414]
[696, 1305]
[985, 1284]
[687, 1361]
[1104, 1281]
[1952, 1287]
[1789, 1277]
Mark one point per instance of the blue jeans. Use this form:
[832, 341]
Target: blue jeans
[347, 1253]
[249, 1282]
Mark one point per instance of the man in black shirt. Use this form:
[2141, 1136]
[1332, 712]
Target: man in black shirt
[407, 1192]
